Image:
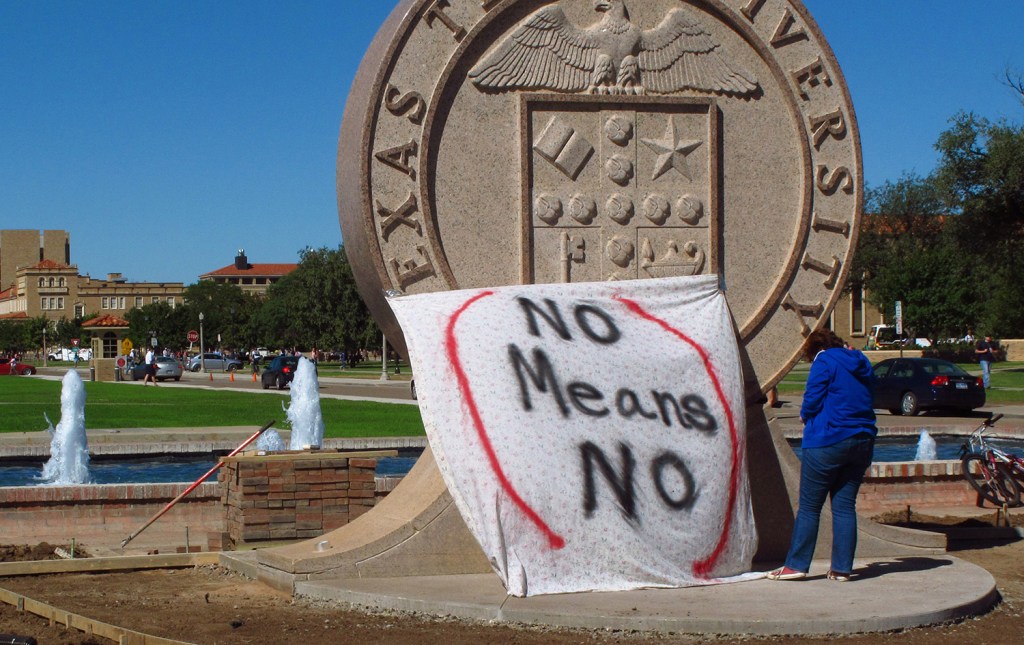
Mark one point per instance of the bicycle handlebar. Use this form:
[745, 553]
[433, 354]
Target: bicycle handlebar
[994, 418]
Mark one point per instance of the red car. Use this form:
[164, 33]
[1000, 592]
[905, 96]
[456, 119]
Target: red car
[22, 368]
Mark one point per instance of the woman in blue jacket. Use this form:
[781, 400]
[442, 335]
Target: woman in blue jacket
[838, 443]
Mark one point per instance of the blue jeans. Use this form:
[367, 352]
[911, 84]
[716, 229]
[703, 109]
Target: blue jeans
[835, 470]
[986, 372]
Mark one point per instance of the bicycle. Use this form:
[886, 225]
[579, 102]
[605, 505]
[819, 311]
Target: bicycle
[991, 471]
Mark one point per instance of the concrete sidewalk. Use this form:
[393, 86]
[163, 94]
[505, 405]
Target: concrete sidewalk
[884, 595]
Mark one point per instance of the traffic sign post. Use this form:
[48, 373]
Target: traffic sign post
[899, 325]
[193, 336]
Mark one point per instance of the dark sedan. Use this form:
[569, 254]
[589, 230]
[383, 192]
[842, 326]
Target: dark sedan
[280, 372]
[908, 385]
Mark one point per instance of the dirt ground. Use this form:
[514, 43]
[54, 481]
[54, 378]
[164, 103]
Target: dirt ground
[210, 605]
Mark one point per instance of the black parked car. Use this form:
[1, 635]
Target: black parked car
[280, 372]
[908, 385]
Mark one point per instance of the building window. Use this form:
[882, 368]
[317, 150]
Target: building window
[42, 303]
[857, 311]
[155, 299]
[170, 301]
[138, 301]
[105, 303]
[51, 282]
[42, 282]
[120, 303]
[60, 282]
[110, 345]
[79, 310]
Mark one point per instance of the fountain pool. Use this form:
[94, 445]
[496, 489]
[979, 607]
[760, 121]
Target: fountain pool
[163, 469]
[904, 448]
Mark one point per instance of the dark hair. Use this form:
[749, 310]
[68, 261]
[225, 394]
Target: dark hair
[819, 340]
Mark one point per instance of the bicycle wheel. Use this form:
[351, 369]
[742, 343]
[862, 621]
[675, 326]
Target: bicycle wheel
[992, 482]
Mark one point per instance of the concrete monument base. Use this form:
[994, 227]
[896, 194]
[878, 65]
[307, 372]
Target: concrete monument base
[417, 531]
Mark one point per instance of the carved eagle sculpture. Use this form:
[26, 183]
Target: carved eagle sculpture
[613, 56]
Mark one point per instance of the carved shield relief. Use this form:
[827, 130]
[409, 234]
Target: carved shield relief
[494, 142]
[619, 190]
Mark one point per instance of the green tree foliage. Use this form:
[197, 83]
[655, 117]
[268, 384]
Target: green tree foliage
[64, 330]
[169, 325]
[981, 176]
[906, 253]
[316, 306]
[226, 309]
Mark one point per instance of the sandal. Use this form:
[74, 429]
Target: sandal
[838, 577]
[785, 573]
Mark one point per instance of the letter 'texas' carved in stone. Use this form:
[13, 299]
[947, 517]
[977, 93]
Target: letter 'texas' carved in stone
[613, 56]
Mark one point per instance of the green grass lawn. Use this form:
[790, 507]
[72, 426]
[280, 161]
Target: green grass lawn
[23, 401]
[1007, 381]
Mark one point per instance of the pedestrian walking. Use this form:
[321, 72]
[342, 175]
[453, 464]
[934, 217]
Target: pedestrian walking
[983, 351]
[150, 368]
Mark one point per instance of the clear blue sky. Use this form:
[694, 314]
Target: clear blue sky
[166, 135]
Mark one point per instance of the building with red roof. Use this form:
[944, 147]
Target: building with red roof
[251, 278]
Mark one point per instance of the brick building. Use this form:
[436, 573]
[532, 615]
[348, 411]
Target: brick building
[254, 279]
[56, 290]
[25, 247]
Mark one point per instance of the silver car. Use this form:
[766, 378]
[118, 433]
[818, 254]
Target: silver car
[166, 367]
[214, 361]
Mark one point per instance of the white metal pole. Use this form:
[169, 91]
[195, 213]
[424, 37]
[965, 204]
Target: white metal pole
[384, 360]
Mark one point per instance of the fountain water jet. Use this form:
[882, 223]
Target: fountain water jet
[304, 412]
[926, 449]
[270, 441]
[69, 453]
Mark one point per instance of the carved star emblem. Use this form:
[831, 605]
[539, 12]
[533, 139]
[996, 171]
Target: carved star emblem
[672, 152]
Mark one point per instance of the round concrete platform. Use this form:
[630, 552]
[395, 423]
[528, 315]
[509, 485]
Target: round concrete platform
[884, 595]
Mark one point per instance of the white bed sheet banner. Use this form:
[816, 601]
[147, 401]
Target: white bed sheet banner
[592, 435]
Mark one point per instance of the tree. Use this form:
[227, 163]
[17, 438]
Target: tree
[981, 175]
[226, 310]
[169, 325]
[64, 330]
[317, 306]
[906, 252]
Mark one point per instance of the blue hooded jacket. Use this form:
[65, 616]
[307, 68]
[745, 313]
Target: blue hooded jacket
[838, 400]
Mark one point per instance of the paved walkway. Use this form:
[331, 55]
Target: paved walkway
[884, 595]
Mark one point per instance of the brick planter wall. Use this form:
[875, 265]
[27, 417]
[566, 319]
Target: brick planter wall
[295, 495]
[106, 513]
[892, 486]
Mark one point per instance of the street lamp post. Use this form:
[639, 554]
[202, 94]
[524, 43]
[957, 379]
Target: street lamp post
[45, 357]
[202, 354]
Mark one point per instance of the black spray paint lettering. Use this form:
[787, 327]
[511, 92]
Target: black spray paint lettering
[595, 323]
[622, 481]
[537, 373]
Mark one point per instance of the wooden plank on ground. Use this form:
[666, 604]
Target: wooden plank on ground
[122, 563]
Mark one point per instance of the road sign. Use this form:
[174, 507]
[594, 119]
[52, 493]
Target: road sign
[126, 346]
[899, 317]
[74, 342]
[193, 336]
